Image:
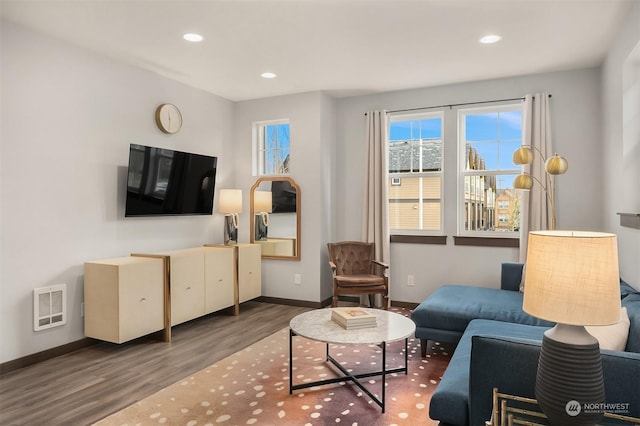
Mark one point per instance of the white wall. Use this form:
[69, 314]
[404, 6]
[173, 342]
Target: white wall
[576, 132]
[305, 113]
[68, 118]
[621, 158]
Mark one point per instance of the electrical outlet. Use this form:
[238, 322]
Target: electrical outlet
[410, 280]
[82, 309]
[297, 279]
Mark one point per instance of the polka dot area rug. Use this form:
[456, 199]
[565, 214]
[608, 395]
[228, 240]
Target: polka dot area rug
[251, 387]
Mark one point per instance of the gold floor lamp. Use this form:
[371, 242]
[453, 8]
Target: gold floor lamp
[554, 165]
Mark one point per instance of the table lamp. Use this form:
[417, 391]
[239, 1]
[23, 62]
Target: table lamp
[230, 203]
[262, 205]
[572, 279]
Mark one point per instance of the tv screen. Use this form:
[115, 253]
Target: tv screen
[167, 182]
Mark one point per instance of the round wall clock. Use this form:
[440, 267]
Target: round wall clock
[168, 118]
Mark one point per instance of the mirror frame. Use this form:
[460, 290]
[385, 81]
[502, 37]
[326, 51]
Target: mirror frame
[252, 216]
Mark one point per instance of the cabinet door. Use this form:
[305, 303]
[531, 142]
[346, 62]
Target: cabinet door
[141, 299]
[249, 272]
[124, 298]
[187, 285]
[219, 274]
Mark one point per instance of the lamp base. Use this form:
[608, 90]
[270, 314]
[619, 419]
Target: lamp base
[230, 230]
[569, 382]
[261, 229]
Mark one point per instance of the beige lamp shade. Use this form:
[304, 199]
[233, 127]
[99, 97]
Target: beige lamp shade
[522, 155]
[523, 181]
[230, 201]
[262, 201]
[572, 277]
[556, 165]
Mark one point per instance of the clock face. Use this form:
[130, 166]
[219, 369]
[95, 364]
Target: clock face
[168, 118]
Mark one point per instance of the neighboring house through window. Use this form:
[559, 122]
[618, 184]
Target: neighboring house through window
[487, 204]
[487, 138]
[415, 173]
[271, 143]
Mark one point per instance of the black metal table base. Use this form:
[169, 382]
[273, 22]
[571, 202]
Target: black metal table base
[347, 376]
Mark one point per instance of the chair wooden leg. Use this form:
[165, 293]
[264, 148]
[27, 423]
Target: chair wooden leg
[372, 300]
[423, 347]
[334, 301]
[386, 302]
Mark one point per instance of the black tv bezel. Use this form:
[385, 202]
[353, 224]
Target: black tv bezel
[128, 213]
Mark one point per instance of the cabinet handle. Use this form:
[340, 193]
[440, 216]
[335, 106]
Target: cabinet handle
[220, 280]
[143, 299]
[189, 288]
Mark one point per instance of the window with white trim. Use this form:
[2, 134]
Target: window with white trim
[271, 147]
[487, 203]
[415, 173]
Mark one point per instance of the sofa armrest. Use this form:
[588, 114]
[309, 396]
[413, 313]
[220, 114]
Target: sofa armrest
[511, 365]
[497, 362]
[511, 276]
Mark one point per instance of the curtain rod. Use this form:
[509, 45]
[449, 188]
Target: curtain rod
[455, 105]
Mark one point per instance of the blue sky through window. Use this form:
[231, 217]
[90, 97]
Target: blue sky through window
[416, 129]
[277, 136]
[276, 148]
[495, 136]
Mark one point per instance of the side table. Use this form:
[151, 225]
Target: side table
[510, 410]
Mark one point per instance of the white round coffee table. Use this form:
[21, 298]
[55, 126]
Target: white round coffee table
[317, 325]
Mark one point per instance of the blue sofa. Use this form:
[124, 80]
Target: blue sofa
[445, 314]
[498, 346]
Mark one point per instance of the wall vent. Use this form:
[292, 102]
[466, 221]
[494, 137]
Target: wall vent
[49, 307]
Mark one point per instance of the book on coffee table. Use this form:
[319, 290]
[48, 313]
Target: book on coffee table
[351, 318]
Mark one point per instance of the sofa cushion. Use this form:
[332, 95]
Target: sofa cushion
[632, 302]
[626, 289]
[449, 403]
[452, 307]
[511, 275]
[614, 336]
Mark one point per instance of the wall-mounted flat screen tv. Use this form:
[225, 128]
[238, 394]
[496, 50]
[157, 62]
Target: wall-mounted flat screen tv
[164, 182]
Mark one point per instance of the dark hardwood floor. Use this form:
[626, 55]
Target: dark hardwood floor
[87, 385]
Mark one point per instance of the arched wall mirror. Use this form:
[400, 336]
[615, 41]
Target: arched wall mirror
[275, 217]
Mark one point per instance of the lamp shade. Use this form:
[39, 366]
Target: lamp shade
[556, 165]
[572, 277]
[262, 201]
[522, 155]
[230, 201]
[523, 181]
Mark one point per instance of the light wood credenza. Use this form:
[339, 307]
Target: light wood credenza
[129, 297]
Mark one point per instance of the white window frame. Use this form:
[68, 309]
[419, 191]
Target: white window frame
[258, 145]
[462, 173]
[417, 116]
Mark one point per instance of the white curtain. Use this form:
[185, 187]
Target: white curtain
[536, 132]
[375, 224]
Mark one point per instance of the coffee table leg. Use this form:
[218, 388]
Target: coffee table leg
[384, 373]
[406, 356]
[290, 361]
[347, 376]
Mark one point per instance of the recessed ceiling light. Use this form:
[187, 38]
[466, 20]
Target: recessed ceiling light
[193, 37]
[268, 75]
[491, 38]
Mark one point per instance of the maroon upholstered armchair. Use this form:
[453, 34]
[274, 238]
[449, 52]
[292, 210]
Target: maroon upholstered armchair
[356, 272]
